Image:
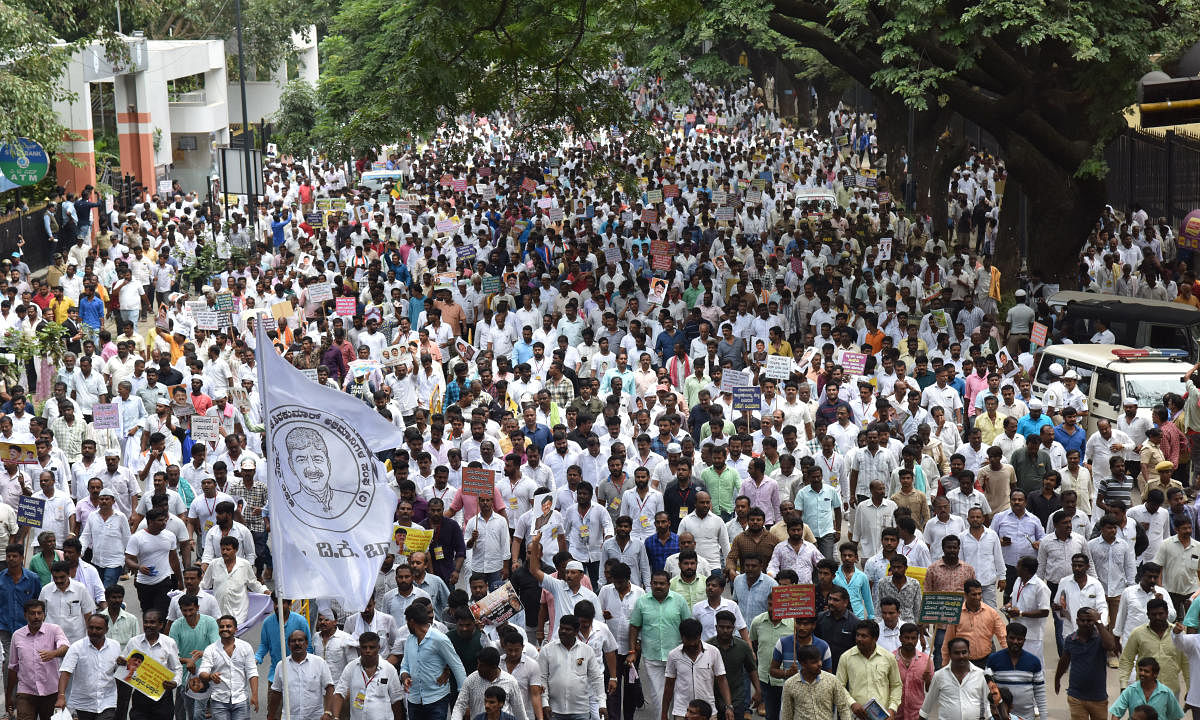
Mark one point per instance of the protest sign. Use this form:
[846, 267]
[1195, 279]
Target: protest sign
[310, 373]
[393, 355]
[612, 255]
[206, 428]
[747, 397]
[144, 674]
[320, 292]
[734, 378]
[1037, 335]
[725, 213]
[654, 197]
[661, 262]
[161, 319]
[555, 215]
[345, 307]
[941, 608]
[649, 215]
[208, 320]
[30, 511]
[106, 416]
[491, 284]
[18, 453]
[793, 601]
[658, 291]
[282, 310]
[778, 367]
[671, 191]
[853, 363]
[478, 481]
[885, 249]
[416, 540]
[498, 606]
[224, 302]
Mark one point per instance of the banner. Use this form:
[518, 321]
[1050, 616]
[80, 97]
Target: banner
[144, 674]
[498, 606]
[336, 523]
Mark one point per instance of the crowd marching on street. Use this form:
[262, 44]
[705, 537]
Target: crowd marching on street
[697, 375]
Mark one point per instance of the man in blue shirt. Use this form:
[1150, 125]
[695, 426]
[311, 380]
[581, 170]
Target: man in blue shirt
[17, 587]
[523, 348]
[534, 431]
[668, 339]
[427, 653]
[91, 311]
[855, 581]
[269, 640]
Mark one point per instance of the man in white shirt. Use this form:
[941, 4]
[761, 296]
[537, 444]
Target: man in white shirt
[229, 666]
[488, 540]
[88, 670]
[68, 603]
[309, 682]
[712, 537]
[163, 650]
[958, 690]
[106, 533]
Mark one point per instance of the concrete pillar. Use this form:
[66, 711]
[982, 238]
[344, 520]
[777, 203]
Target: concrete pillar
[135, 135]
[75, 163]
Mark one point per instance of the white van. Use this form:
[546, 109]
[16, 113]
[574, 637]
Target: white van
[1110, 374]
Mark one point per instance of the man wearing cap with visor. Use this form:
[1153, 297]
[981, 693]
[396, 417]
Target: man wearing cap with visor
[1020, 322]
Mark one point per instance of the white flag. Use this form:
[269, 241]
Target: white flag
[330, 503]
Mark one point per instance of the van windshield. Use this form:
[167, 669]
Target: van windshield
[1149, 389]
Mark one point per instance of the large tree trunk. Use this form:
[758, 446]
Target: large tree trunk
[950, 149]
[1061, 209]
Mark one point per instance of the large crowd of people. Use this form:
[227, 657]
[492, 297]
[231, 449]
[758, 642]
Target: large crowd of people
[734, 364]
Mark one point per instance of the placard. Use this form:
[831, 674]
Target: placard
[661, 262]
[1037, 334]
[478, 481]
[725, 213]
[345, 306]
[671, 191]
[885, 197]
[162, 320]
[650, 215]
[416, 539]
[885, 249]
[206, 428]
[658, 291]
[18, 453]
[654, 197]
[747, 397]
[720, 197]
[793, 601]
[778, 367]
[30, 511]
[320, 292]
[734, 378]
[941, 608]
[224, 302]
[498, 606]
[555, 215]
[491, 284]
[659, 246]
[612, 255]
[207, 320]
[282, 310]
[144, 673]
[394, 355]
[446, 226]
[754, 196]
[853, 363]
[106, 416]
[311, 374]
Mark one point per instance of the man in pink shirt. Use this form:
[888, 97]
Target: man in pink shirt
[37, 650]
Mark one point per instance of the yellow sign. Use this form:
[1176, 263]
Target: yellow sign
[415, 539]
[144, 674]
[18, 453]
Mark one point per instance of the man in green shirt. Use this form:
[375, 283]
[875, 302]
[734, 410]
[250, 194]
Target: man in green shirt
[688, 585]
[654, 632]
[722, 483]
[192, 633]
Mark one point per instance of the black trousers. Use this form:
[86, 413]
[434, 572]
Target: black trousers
[143, 708]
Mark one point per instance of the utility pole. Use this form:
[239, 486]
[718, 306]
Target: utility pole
[251, 200]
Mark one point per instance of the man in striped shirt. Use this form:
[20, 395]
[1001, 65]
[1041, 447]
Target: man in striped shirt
[1021, 672]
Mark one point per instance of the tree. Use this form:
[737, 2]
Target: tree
[34, 61]
[1048, 81]
[296, 119]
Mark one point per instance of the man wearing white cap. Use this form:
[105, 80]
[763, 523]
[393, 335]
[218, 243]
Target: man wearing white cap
[1020, 322]
[566, 591]
[106, 533]
[230, 417]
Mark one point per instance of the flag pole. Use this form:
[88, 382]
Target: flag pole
[262, 345]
